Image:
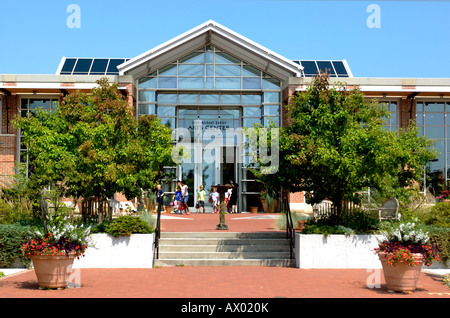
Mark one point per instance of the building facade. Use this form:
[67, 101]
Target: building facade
[212, 77]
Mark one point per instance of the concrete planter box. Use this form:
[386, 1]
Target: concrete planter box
[336, 251]
[106, 251]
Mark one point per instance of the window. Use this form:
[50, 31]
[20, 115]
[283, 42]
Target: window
[431, 119]
[391, 123]
[31, 106]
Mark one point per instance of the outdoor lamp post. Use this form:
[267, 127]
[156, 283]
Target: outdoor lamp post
[222, 189]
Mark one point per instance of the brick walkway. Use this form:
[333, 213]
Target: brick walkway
[221, 282]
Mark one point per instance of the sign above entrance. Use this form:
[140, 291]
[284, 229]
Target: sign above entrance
[221, 124]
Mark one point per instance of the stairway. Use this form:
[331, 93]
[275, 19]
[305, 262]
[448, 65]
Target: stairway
[223, 249]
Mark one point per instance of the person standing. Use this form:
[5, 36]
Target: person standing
[160, 197]
[177, 200]
[201, 195]
[184, 196]
[215, 200]
[234, 196]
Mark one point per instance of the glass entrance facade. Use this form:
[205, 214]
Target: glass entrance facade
[214, 90]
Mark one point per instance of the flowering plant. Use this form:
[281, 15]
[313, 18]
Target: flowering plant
[444, 195]
[61, 237]
[401, 240]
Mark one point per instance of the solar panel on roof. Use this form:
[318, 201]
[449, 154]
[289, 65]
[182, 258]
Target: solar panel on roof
[99, 67]
[334, 68]
[326, 66]
[91, 66]
[68, 66]
[82, 66]
[112, 67]
[310, 68]
[340, 69]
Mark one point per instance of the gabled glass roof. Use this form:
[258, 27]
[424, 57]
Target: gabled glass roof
[89, 66]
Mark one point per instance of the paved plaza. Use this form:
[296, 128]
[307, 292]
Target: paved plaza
[228, 282]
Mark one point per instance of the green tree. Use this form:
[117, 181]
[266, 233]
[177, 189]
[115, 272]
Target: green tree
[93, 146]
[334, 145]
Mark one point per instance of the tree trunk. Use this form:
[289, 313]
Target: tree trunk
[100, 210]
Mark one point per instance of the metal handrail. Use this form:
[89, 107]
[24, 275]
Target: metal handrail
[290, 232]
[157, 232]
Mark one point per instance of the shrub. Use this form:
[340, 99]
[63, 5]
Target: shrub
[281, 220]
[438, 215]
[352, 222]
[326, 230]
[149, 218]
[126, 225]
[441, 237]
[361, 222]
[11, 237]
[12, 211]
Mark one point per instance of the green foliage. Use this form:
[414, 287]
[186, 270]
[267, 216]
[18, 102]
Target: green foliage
[281, 220]
[326, 230]
[446, 279]
[439, 215]
[356, 222]
[149, 218]
[92, 145]
[11, 238]
[19, 200]
[334, 145]
[441, 237]
[126, 225]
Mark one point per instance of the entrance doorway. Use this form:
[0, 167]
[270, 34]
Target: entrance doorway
[213, 157]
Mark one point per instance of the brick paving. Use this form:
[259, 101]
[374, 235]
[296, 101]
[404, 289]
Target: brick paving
[221, 282]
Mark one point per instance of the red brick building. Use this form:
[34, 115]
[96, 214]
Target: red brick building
[226, 81]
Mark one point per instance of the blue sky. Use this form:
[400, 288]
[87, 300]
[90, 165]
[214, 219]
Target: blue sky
[413, 39]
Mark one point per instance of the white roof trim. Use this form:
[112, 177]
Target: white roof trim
[223, 31]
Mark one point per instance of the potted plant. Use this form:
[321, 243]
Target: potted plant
[302, 220]
[52, 249]
[403, 250]
[269, 201]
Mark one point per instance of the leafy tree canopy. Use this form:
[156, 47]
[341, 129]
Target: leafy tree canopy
[334, 145]
[92, 145]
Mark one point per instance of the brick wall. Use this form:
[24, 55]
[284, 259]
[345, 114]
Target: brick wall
[8, 138]
[406, 111]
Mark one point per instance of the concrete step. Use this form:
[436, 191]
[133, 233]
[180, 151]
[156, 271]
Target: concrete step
[222, 255]
[224, 262]
[223, 249]
[220, 241]
[237, 235]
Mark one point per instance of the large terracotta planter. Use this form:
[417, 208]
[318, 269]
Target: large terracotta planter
[401, 277]
[269, 209]
[301, 225]
[53, 271]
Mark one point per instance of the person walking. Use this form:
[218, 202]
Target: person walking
[201, 195]
[234, 196]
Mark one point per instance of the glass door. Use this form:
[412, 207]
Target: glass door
[213, 156]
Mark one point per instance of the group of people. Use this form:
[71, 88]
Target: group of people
[181, 196]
